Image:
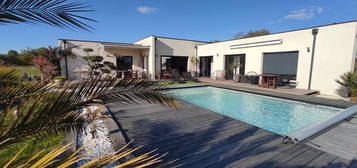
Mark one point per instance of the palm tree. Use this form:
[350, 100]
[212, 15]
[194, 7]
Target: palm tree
[33, 109]
[58, 13]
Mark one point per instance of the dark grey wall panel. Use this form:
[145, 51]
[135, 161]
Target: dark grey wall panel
[280, 63]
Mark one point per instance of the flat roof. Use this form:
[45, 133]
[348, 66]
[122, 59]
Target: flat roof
[121, 44]
[215, 42]
[181, 39]
[287, 31]
[172, 39]
[90, 41]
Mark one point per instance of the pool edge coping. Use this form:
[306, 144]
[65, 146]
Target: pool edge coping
[300, 98]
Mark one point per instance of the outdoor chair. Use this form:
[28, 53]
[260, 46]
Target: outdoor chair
[165, 75]
[186, 76]
[128, 74]
[219, 75]
[293, 83]
[134, 74]
[287, 81]
[141, 74]
[175, 76]
[253, 77]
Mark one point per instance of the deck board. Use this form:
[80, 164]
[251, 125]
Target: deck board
[202, 138]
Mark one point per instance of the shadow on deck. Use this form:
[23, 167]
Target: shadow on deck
[200, 138]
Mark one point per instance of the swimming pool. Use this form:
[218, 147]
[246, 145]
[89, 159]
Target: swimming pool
[272, 114]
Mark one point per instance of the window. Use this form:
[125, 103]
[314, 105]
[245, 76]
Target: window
[125, 62]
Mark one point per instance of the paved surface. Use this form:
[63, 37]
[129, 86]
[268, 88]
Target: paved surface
[294, 91]
[202, 138]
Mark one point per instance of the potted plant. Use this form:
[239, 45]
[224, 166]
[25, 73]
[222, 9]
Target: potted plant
[194, 61]
[235, 69]
[59, 80]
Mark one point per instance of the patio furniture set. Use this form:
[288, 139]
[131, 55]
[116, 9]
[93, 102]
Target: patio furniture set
[262, 80]
[131, 74]
[174, 75]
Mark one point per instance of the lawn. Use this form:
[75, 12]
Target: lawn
[29, 70]
[32, 145]
[32, 148]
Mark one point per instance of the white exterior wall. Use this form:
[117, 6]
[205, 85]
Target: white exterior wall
[175, 47]
[149, 41]
[78, 62]
[135, 53]
[334, 55]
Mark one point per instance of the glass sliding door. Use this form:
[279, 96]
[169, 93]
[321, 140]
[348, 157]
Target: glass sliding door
[206, 66]
[234, 64]
[176, 63]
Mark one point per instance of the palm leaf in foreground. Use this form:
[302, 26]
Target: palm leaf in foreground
[50, 159]
[58, 13]
[55, 111]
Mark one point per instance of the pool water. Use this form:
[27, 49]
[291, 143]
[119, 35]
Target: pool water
[272, 114]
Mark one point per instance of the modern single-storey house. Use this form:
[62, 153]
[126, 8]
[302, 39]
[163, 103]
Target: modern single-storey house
[314, 56]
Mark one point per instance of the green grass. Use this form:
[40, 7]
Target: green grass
[30, 70]
[32, 148]
[170, 83]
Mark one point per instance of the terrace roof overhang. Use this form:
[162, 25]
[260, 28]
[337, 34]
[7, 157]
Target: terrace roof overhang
[122, 46]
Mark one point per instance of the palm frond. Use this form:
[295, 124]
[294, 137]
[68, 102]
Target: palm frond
[13, 88]
[49, 159]
[58, 13]
[31, 109]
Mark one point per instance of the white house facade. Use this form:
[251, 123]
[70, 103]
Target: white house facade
[315, 57]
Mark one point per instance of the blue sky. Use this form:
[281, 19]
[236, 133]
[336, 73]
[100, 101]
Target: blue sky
[130, 20]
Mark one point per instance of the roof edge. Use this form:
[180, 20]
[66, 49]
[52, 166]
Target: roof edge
[325, 25]
[181, 39]
[90, 41]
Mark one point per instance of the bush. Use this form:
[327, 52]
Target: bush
[59, 78]
[349, 81]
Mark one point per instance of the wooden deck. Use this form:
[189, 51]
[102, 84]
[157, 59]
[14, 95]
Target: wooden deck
[294, 91]
[202, 138]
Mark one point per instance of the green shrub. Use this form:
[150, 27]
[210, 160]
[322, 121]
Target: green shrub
[59, 78]
[349, 81]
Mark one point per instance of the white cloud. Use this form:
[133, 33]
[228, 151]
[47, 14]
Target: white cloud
[304, 14]
[146, 9]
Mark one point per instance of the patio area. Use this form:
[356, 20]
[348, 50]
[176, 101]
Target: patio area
[294, 91]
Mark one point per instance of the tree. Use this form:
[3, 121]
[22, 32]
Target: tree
[214, 41]
[14, 58]
[58, 13]
[12, 53]
[27, 55]
[46, 67]
[94, 64]
[251, 33]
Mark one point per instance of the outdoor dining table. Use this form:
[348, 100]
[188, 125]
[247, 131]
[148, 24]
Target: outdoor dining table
[268, 81]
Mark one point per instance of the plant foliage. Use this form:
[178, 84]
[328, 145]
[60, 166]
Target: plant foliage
[349, 81]
[33, 109]
[50, 159]
[58, 13]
